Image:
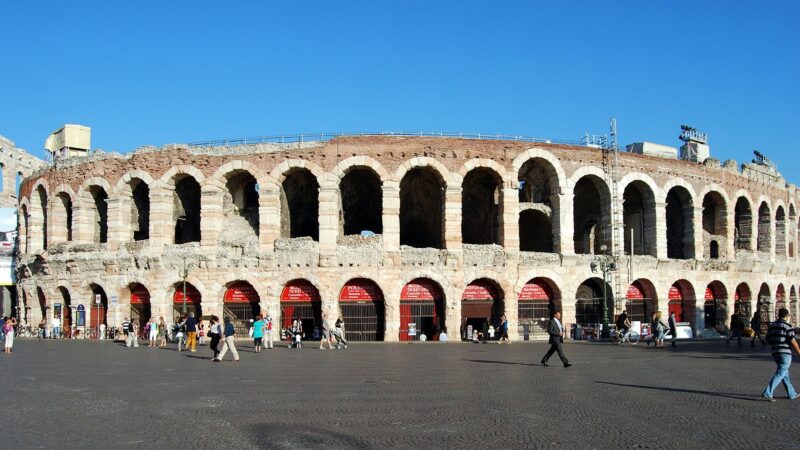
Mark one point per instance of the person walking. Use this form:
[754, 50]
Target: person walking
[556, 332]
[737, 327]
[180, 333]
[133, 333]
[755, 324]
[215, 334]
[268, 326]
[503, 331]
[661, 329]
[153, 333]
[258, 333]
[162, 332]
[8, 332]
[228, 343]
[326, 332]
[782, 339]
[56, 327]
[673, 327]
[126, 330]
[191, 332]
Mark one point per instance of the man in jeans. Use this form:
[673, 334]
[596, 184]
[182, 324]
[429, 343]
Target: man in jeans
[781, 338]
[228, 342]
[191, 332]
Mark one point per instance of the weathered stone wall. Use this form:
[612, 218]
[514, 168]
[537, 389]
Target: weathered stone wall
[14, 161]
[269, 258]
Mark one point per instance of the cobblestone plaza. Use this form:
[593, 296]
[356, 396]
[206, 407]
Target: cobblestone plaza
[90, 394]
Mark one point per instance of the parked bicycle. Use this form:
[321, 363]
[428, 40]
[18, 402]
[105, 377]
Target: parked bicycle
[632, 337]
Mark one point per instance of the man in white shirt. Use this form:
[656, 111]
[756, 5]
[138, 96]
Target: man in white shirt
[56, 327]
[556, 331]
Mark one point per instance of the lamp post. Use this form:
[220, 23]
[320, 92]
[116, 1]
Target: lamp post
[607, 264]
[184, 274]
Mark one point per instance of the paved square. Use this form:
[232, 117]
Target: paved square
[82, 394]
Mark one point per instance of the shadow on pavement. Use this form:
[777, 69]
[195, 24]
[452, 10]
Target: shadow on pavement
[746, 397]
[486, 361]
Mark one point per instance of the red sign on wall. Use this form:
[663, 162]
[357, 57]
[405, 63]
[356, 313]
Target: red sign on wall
[421, 289]
[241, 292]
[709, 294]
[140, 295]
[675, 293]
[360, 290]
[635, 292]
[479, 290]
[300, 291]
[192, 294]
[536, 290]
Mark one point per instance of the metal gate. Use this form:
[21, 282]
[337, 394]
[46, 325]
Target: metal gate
[637, 310]
[424, 315]
[765, 314]
[140, 313]
[241, 315]
[714, 313]
[177, 310]
[536, 314]
[308, 313]
[363, 320]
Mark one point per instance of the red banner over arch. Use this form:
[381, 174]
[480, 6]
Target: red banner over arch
[300, 291]
[536, 290]
[480, 290]
[192, 294]
[140, 295]
[421, 289]
[675, 293]
[635, 292]
[240, 292]
[360, 290]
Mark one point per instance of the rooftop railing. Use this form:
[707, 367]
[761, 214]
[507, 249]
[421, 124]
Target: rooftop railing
[323, 137]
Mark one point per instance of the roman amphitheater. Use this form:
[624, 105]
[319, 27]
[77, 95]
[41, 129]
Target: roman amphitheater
[405, 236]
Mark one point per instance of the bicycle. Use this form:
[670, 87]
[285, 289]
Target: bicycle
[631, 337]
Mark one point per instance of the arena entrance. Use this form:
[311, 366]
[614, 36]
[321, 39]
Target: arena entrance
[421, 310]
[193, 303]
[363, 311]
[589, 306]
[140, 305]
[640, 301]
[99, 309]
[780, 300]
[765, 307]
[300, 300]
[741, 303]
[536, 303]
[715, 307]
[241, 304]
[481, 306]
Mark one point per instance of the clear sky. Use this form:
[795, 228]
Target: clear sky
[157, 72]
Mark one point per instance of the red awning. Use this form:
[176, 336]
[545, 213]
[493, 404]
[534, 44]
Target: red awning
[480, 290]
[241, 292]
[300, 291]
[536, 290]
[421, 289]
[140, 295]
[192, 294]
[360, 290]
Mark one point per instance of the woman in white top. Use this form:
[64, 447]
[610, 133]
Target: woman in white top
[9, 330]
[153, 332]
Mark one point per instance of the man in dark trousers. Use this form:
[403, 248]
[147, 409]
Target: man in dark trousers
[556, 331]
[782, 339]
[673, 327]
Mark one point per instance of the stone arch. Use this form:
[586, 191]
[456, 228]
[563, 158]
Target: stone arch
[715, 306]
[589, 302]
[346, 164]
[715, 227]
[223, 174]
[552, 160]
[423, 301]
[477, 163]
[62, 214]
[641, 300]
[539, 187]
[591, 212]
[186, 208]
[300, 203]
[94, 197]
[422, 205]
[421, 162]
[38, 216]
[482, 306]
[133, 190]
[360, 200]
[176, 172]
[241, 203]
[743, 223]
[639, 213]
[481, 206]
[683, 301]
[680, 222]
[780, 231]
[362, 307]
[764, 240]
[23, 221]
[286, 167]
[535, 231]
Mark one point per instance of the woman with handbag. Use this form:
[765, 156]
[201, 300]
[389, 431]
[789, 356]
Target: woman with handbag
[215, 333]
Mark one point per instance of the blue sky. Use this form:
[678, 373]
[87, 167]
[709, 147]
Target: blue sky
[154, 72]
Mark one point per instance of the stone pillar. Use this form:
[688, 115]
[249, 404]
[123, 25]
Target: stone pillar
[162, 220]
[773, 242]
[269, 217]
[211, 216]
[697, 228]
[328, 221]
[510, 220]
[392, 309]
[452, 218]
[118, 226]
[730, 243]
[391, 217]
[564, 224]
[661, 230]
[568, 315]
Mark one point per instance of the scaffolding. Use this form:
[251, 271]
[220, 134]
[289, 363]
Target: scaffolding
[613, 237]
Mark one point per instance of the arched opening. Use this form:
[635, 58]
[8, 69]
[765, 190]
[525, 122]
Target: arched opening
[300, 205]
[482, 305]
[26, 230]
[715, 310]
[361, 208]
[190, 302]
[99, 214]
[99, 308]
[535, 231]
[765, 307]
[780, 300]
[241, 303]
[42, 206]
[680, 228]
[589, 305]
[792, 304]
[186, 209]
[66, 311]
[743, 225]
[764, 241]
[240, 205]
[741, 302]
[682, 302]
[481, 207]
[780, 232]
[140, 209]
[591, 213]
[713, 250]
[791, 231]
[42, 302]
[62, 218]
[421, 310]
[715, 228]
[140, 304]
[363, 311]
[639, 214]
[640, 301]
[422, 208]
[538, 192]
[538, 300]
[300, 300]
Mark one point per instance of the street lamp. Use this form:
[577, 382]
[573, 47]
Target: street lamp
[184, 274]
[607, 264]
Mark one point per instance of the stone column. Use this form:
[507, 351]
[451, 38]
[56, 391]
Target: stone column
[661, 230]
[118, 227]
[697, 228]
[452, 218]
[730, 243]
[391, 217]
[211, 217]
[269, 217]
[392, 309]
[162, 219]
[510, 220]
[328, 221]
[564, 224]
